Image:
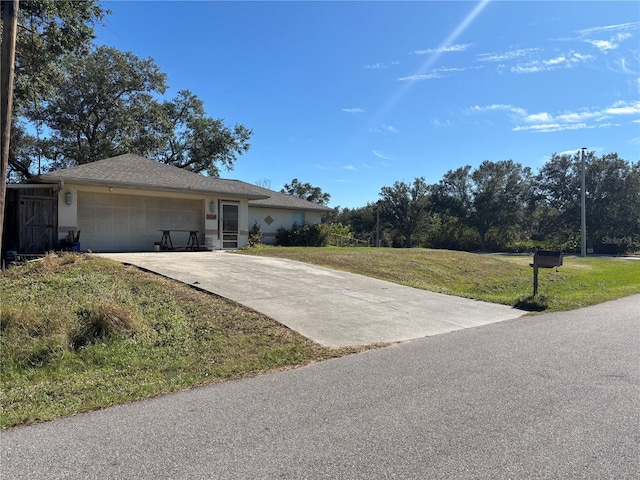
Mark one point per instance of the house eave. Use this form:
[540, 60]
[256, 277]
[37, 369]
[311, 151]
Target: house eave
[134, 186]
[289, 207]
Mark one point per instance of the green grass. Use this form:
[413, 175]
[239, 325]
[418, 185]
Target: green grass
[505, 279]
[80, 333]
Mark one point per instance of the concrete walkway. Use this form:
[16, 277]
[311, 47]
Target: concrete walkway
[331, 307]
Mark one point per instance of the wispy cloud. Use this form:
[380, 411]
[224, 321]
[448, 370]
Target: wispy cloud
[374, 66]
[381, 155]
[441, 72]
[531, 60]
[546, 122]
[421, 76]
[610, 28]
[616, 35]
[497, 107]
[353, 110]
[506, 56]
[383, 129]
[438, 123]
[350, 167]
[446, 49]
[603, 45]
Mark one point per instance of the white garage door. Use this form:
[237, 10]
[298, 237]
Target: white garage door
[114, 223]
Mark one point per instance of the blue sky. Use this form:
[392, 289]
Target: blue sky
[353, 96]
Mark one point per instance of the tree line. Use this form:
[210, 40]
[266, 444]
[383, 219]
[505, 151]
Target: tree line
[503, 206]
[76, 102]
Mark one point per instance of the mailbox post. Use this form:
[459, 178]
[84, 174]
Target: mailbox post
[544, 259]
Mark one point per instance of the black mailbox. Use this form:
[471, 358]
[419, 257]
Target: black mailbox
[547, 258]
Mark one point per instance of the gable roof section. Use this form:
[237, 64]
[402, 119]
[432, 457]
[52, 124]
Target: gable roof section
[282, 200]
[133, 171]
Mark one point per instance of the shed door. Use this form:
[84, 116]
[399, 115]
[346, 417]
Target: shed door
[112, 222]
[37, 223]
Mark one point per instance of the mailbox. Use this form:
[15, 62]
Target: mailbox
[547, 258]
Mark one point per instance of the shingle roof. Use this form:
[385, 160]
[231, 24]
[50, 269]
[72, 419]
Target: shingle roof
[133, 171]
[282, 200]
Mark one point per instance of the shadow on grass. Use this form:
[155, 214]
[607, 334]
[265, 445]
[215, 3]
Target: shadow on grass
[539, 303]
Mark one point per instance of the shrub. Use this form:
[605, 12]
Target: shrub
[316, 235]
[255, 235]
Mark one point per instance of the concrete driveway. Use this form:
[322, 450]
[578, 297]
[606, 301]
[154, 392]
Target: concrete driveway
[331, 307]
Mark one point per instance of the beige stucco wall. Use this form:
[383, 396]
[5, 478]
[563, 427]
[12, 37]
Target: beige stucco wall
[281, 218]
[209, 234]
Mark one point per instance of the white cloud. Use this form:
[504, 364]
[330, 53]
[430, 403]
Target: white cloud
[505, 56]
[451, 48]
[609, 28]
[555, 61]
[550, 127]
[422, 76]
[576, 120]
[350, 167]
[381, 155]
[579, 57]
[538, 117]
[353, 110]
[617, 34]
[384, 128]
[545, 65]
[374, 66]
[438, 123]
[498, 107]
[622, 108]
[603, 45]
[531, 68]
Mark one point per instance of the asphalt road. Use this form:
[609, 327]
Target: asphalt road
[550, 396]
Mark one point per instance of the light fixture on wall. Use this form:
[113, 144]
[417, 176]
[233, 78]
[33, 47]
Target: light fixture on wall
[68, 198]
[212, 206]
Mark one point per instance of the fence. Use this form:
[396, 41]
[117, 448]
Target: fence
[344, 241]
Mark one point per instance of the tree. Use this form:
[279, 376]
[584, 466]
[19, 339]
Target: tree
[179, 133]
[264, 183]
[495, 195]
[406, 206]
[306, 191]
[105, 104]
[100, 106]
[361, 221]
[612, 198]
[48, 31]
[499, 196]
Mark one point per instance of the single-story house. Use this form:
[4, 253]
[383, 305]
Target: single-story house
[131, 203]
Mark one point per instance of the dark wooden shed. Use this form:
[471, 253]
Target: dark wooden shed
[31, 218]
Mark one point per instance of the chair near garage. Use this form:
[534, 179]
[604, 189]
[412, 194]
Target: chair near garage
[71, 243]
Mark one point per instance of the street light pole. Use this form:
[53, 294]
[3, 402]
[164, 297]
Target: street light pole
[583, 213]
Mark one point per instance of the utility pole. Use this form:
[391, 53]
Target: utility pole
[378, 224]
[583, 211]
[7, 64]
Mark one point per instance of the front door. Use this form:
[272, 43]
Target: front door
[230, 225]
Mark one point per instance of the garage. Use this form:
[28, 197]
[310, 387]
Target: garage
[115, 222]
